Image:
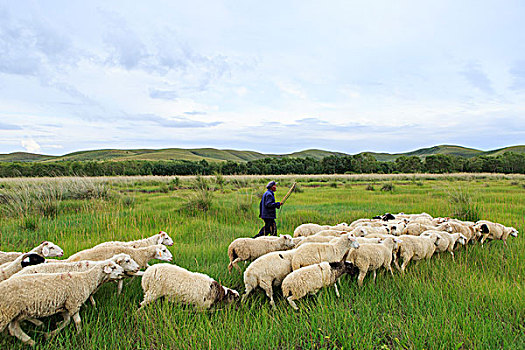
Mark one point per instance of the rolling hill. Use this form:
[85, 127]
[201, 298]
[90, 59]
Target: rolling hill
[217, 155]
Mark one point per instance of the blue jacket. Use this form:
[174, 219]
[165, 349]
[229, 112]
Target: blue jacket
[268, 205]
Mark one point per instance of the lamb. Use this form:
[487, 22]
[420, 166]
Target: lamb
[370, 257]
[45, 249]
[491, 230]
[447, 241]
[160, 238]
[466, 228]
[189, 287]
[415, 248]
[42, 295]
[267, 271]
[308, 280]
[243, 249]
[9, 269]
[314, 253]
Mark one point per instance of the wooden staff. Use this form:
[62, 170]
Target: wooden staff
[289, 193]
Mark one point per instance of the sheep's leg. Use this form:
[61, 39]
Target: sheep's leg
[34, 321]
[375, 276]
[361, 277]
[405, 263]
[292, 303]
[16, 331]
[61, 325]
[336, 290]
[119, 286]
[148, 298]
[92, 300]
[249, 289]
[452, 253]
[267, 287]
[396, 264]
[484, 239]
[77, 320]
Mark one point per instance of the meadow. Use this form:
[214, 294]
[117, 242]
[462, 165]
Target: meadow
[476, 301]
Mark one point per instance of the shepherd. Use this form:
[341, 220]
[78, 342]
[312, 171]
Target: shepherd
[267, 210]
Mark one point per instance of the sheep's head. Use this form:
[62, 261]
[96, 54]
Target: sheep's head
[128, 264]
[353, 242]
[50, 249]
[113, 270]
[287, 241]
[164, 238]
[30, 259]
[359, 232]
[162, 253]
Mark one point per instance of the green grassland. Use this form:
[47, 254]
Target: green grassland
[476, 301]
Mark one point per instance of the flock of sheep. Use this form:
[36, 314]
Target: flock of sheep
[315, 257]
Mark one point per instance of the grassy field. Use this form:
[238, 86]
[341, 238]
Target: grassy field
[478, 301]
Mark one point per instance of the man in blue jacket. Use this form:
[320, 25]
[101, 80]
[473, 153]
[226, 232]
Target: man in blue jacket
[267, 210]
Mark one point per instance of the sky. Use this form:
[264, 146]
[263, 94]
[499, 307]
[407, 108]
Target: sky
[267, 76]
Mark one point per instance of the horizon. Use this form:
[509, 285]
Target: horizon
[271, 78]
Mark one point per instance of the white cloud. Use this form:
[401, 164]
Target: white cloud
[31, 145]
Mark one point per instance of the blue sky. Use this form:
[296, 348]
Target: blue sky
[272, 76]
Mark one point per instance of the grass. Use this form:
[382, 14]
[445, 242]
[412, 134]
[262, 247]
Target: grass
[478, 301]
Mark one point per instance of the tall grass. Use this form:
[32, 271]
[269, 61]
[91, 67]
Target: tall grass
[474, 302]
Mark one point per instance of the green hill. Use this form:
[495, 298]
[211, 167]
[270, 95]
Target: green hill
[218, 155]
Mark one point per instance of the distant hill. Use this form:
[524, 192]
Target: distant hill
[217, 155]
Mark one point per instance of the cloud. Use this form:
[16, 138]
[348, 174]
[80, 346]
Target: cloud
[163, 94]
[518, 74]
[475, 76]
[4, 126]
[31, 146]
[174, 122]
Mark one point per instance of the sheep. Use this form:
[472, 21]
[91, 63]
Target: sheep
[415, 229]
[308, 280]
[415, 248]
[189, 287]
[140, 255]
[361, 222]
[466, 228]
[45, 249]
[42, 295]
[9, 269]
[267, 271]
[315, 239]
[160, 238]
[447, 241]
[491, 230]
[368, 240]
[124, 260]
[295, 240]
[243, 249]
[314, 253]
[370, 257]
[361, 231]
[311, 229]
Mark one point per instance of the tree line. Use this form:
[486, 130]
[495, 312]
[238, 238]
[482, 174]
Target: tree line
[506, 163]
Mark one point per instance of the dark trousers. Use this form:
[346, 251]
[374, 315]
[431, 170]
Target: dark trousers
[269, 228]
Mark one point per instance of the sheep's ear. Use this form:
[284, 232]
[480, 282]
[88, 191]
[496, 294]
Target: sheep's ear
[161, 239]
[45, 250]
[108, 269]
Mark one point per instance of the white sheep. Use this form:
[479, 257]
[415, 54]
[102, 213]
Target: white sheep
[160, 238]
[308, 280]
[491, 230]
[447, 241]
[243, 249]
[466, 228]
[314, 253]
[267, 271]
[177, 283]
[415, 229]
[361, 231]
[370, 257]
[311, 229]
[415, 248]
[45, 249]
[129, 265]
[41, 295]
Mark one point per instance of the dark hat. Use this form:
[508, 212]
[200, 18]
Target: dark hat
[270, 184]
